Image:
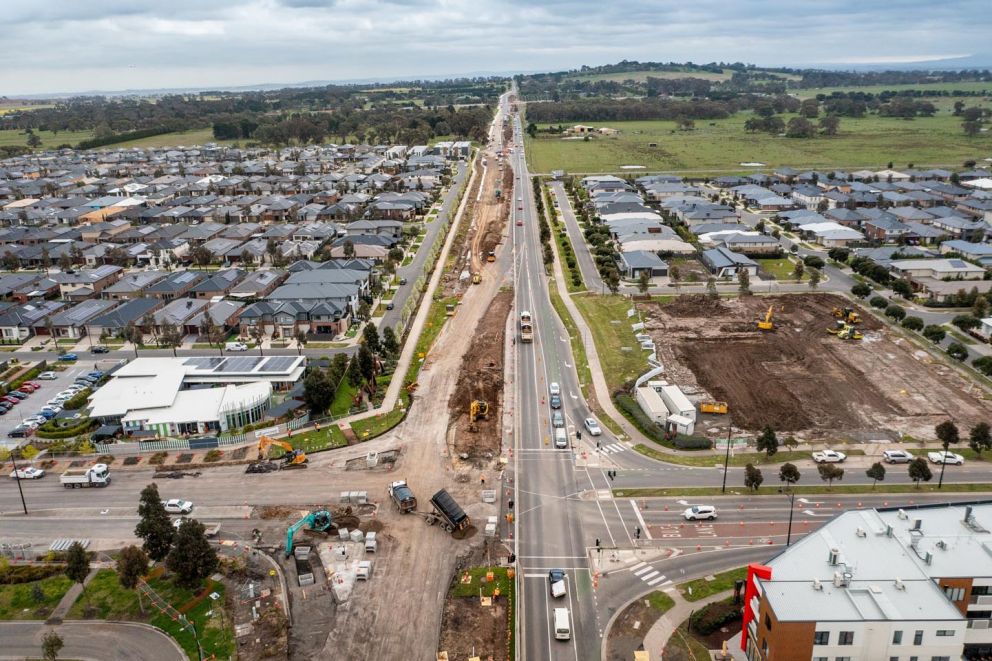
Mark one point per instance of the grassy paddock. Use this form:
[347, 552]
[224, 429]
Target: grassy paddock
[610, 326]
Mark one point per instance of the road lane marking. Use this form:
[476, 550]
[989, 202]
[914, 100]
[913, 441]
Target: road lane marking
[647, 577]
[640, 519]
[656, 581]
[643, 570]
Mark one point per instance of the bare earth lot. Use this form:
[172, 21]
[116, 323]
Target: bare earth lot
[801, 379]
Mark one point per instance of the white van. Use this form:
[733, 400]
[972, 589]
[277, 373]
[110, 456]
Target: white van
[563, 630]
[236, 346]
[561, 438]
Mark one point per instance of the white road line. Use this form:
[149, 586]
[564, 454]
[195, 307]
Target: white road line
[652, 574]
[643, 570]
[640, 519]
[656, 581]
[639, 565]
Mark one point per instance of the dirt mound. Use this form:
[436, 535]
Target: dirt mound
[695, 305]
[467, 532]
[481, 378]
[275, 511]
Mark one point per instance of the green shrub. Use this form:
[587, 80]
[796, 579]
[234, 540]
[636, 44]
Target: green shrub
[711, 617]
[79, 401]
[878, 302]
[646, 425]
[158, 458]
[692, 443]
[213, 455]
[11, 574]
[52, 430]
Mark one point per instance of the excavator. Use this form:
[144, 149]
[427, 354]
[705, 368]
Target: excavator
[478, 410]
[293, 458]
[319, 521]
[766, 323]
[845, 331]
[847, 315]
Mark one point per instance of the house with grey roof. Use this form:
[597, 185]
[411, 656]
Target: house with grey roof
[71, 323]
[258, 284]
[724, 263]
[175, 285]
[18, 322]
[635, 262]
[132, 285]
[218, 283]
[113, 322]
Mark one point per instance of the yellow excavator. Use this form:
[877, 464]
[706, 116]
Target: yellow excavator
[478, 410]
[847, 315]
[845, 331]
[293, 458]
[476, 278]
[766, 323]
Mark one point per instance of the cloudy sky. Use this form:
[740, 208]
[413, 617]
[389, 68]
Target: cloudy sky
[77, 45]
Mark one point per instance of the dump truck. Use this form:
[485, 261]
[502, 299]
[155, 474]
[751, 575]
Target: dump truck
[97, 475]
[526, 327]
[447, 513]
[402, 496]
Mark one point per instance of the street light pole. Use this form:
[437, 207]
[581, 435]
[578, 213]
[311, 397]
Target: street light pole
[788, 538]
[726, 461]
[17, 477]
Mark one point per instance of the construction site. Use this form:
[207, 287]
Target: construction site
[800, 375]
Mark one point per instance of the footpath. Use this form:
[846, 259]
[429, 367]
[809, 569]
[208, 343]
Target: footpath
[662, 630]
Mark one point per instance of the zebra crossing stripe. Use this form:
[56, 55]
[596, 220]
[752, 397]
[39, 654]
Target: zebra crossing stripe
[656, 581]
[648, 577]
[643, 570]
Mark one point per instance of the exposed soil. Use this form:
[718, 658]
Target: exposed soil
[480, 377]
[471, 629]
[249, 584]
[799, 378]
[627, 633]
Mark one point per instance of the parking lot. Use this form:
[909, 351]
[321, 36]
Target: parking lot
[48, 390]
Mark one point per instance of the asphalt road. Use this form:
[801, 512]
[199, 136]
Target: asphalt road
[587, 266]
[90, 641]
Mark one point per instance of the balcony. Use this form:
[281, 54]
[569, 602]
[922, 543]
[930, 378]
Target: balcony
[981, 600]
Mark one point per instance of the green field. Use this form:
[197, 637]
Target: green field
[18, 603]
[184, 138]
[721, 146]
[49, 140]
[7, 110]
[877, 89]
[607, 319]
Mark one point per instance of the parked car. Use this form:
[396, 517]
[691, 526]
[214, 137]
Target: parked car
[235, 346]
[54, 409]
[897, 457]
[33, 384]
[592, 427]
[48, 376]
[46, 414]
[18, 394]
[942, 457]
[177, 506]
[829, 457]
[10, 400]
[402, 281]
[27, 473]
[555, 401]
[20, 431]
[27, 388]
[389, 305]
[95, 374]
[4, 408]
[100, 349]
[68, 357]
[697, 512]
[37, 420]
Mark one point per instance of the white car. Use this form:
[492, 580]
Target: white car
[177, 506]
[592, 427]
[554, 388]
[27, 473]
[34, 421]
[48, 376]
[52, 408]
[697, 512]
[829, 457]
[941, 457]
[897, 457]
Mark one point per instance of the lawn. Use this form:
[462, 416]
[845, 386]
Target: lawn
[433, 325]
[18, 603]
[184, 138]
[819, 488]
[501, 580]
[578, 346]
[326, 438]
[369, 428]
[341, 406]
[683, 645]
[736, 458]
[619, 352]
[104, 598]
[49, 140]
[702, 588]
[780, 269]
[720, 146]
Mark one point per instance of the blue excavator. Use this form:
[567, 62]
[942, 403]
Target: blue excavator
[318, 521]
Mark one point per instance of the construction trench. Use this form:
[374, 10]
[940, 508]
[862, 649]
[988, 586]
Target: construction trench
[801, 379]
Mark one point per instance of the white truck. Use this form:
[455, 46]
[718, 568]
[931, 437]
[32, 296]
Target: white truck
[97, 475]
[829, 457]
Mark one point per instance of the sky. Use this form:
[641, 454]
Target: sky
[53, 46]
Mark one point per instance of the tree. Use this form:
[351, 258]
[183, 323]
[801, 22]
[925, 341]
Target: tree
[77, 563]
[948, 435]
[155, 527]
[257, 333]
[966, 322]
[861, 290]
[301, 341]
[895, 312]
[983, 364]
[799, 127]
[134, 335]
[612, 280]
[371, 336]
[876, 473]
[644, 281]
[878, 302]
[247, 258]
[33, 140]
[46, 259]
[814, 261]
[957, 351]
[752, 477]
[363, 310]
[367, 365]
[913, 324]
[192, 557]
[767, 442]
[934, 333]
[675, 275]
[132, 564]
[711, 290]
[171, 337]
[318, 391]
[829, 473]
[971, 128]
[839, 254]
[814, 278]
[798, 270]
[348, 249]
[829, 125]
[202, 256]
[390, 345]
[788, 473]
[903, 288]
[65, 262]
[980, 437]
[809, 108]
[919, 471]
[354, 372]
[51, 645]
[744, 281]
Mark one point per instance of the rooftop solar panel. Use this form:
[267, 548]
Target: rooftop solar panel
[277, 364]
[239, 365]
[205, 363]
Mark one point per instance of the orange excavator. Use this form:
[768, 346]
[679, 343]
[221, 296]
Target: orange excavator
[293, 458]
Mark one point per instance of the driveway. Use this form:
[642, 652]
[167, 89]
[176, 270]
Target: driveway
[90, 641]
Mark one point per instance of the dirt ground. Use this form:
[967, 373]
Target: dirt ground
[481, 378]
[249, 585]
[801, 379]
[626, 635]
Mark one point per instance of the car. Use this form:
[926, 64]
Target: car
[897, 457]
[33, 384]
[235, 346]
[698, 512]
[555, 401]
[57, 401]
[18, 394]
[46, 414]
[26, 388]
[592, 427]
[10, 400]
[95, 374]
[20, 431]
[84, 382]
[556, 583]
[390, 306]
[829, 457]
[51, 408]
[100, 349]
[68, 357]
[4, 409]
[557, 419]
[402, 281]
[945, 457]
[36, 420]
[27, 473]
[178, 506]
[48, 376]
[554, 388]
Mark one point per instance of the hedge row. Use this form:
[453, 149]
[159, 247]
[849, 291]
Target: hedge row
[646, 425]
[54, 432]
[123, 137]
[692, 443]
[27, 376]
[78, 401]
[711, 617]
[11, 574]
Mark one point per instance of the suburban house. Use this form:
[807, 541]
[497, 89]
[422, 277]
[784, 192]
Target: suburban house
[635, 262]
[132, 285]
[72, 323]
[724, 263]
[174, 285]
[20, 322]
[113, 322]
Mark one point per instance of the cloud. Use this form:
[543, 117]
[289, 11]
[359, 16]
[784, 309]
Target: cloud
[55, 46]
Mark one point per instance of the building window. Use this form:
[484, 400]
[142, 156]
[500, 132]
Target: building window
[979, 590]
[945, 633]
[842, 658]
[954, 594]
[940, 658]
[893, 658]
[897, 637]
[821, 638]
[820, 658]
[845, 638]
[918, 637]
[768, 622]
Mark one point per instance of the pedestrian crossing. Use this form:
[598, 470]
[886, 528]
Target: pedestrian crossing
[612, 448]
[650, 575]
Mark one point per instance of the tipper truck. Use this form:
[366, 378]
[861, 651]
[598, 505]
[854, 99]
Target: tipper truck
[97, 475]
[402, 496]
[447, 513]
[526, 327]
